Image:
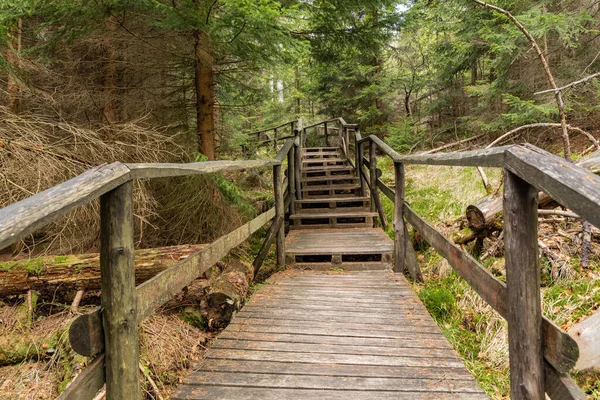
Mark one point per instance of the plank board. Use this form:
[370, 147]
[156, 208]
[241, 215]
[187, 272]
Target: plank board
[359, 335]
[338, 241]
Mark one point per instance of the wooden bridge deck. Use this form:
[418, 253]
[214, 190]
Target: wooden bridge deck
[315, 335]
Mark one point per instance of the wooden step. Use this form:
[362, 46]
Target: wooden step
[349, 249]
[328, 172]
[333, 190]
[327, 168]
[310, 181]
[338, 218]
[334, 186]
[321, 162]
[332, 203]
[310, 156]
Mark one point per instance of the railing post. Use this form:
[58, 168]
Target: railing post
[523, 289]
[375, 199]
[275, 139]
[119, 301]
[279, 214]
[291, 173]
[399, 240]
[298, 163]
[358, 166]
[326, 134]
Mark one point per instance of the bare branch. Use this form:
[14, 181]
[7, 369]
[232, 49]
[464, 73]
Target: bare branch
[587, 78]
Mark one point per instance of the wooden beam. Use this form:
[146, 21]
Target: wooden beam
[279, 213]
[166, 285]
[559, 348]
[399, 228]
[162, 170]
[264, 249]
[376, 203]
[24, 217]
[87, 383]
[561, 386]
[569, 184]
[291, 174]
[119, 302]
[523, 289]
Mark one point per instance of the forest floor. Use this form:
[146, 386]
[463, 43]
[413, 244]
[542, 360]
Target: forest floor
[479, 334]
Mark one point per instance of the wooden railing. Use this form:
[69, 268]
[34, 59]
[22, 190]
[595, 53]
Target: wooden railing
[264, 139]
[109, 335]
[540, 353]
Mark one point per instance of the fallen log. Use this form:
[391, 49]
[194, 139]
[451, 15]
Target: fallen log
[487, 210]
[50, 274]
[227, 293]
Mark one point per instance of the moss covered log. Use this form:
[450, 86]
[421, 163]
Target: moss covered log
[81, 271]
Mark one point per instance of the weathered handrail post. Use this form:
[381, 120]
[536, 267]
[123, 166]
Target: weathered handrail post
[119, 301]
[359, 162]
[399, 239]
[523, 289]
[298, 161]
[279, 214]
[291, 173]
[275, 139]
[375, 199]
[326, 134]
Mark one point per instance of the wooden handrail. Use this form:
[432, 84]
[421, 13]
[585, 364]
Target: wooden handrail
[541, 353]
[272, 128]
[24, 217]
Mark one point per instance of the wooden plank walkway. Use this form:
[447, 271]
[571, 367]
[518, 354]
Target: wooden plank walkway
[316, 335]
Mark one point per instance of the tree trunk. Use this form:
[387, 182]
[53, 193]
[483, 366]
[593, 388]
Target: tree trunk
[228, 292]
[110, 71]
[74, 272]
[205, 124]
[13, 86]
[297, 77]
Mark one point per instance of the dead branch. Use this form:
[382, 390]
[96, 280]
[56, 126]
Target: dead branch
[558, 212]
[587, 78]
[557, 93]
[449, 145]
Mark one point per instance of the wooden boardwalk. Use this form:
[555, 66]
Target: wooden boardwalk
[316, 335]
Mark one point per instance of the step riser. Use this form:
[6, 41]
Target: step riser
[322, 163]
[317, 149]
[366, 262]
[333, 225]
[327, 173]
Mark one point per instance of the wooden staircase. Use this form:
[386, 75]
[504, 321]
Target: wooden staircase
[333, 226]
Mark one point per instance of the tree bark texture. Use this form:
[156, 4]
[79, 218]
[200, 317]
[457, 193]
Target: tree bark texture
[228, 293]
[205, 99]
[52, 274]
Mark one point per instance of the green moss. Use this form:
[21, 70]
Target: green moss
[61, 259]
[193, 317]
[6, 266]
[35, 266]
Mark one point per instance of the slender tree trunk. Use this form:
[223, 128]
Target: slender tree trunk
[14, 87]
[110, 71]
[205, 123]
[297, 72]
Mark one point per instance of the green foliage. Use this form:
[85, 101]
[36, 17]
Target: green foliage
[403, 135]
[440, 302]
